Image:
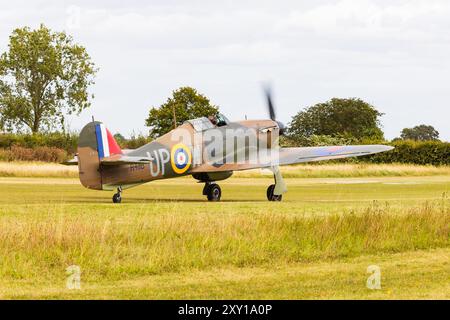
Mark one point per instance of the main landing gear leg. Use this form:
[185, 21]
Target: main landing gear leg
[117, 197]
[212, 191]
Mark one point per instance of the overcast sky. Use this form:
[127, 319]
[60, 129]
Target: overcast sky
[393, 54]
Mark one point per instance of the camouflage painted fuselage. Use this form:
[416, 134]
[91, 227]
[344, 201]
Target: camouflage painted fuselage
[208, 155]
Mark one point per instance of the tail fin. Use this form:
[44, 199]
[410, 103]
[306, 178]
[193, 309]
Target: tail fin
[106, 144]
[95, 143]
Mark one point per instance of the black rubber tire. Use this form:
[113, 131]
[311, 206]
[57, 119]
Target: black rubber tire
[213, 192]
[117, 198]
[271, 196]
[205, 189]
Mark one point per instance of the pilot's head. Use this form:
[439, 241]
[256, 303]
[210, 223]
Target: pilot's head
[213, 119]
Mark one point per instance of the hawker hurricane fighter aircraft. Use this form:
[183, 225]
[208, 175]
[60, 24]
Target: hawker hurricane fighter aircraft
[209, 149]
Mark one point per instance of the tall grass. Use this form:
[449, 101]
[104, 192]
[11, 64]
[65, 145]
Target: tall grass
[344, 170]
[37, 169]
[138, 243]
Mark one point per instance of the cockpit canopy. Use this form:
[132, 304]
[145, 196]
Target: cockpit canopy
[221, 120]
[204, 123]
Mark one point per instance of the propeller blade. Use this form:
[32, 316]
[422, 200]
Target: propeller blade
[270, 105]
[271, 108]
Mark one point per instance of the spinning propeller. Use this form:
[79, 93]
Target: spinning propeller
[271, 109]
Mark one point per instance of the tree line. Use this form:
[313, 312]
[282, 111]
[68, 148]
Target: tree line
[45, 76]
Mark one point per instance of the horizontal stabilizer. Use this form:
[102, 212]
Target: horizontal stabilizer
[123, 159]
[113, 160]
[71, 162]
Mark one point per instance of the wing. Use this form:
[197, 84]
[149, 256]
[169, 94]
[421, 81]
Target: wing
[287, 156]
[310, 154]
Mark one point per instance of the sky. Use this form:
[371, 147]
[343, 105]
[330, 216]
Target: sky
[392, 54]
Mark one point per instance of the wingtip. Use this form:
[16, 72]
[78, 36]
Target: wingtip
[386, 148]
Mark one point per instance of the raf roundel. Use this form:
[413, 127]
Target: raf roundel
[180, 158]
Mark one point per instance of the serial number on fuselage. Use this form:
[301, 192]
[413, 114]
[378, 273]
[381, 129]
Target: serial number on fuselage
[136, 167]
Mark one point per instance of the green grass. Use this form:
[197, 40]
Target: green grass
[166, 241]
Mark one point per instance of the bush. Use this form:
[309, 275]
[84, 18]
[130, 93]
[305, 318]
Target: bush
[51, 147]
[410, 152]
[134, 142]
[426, 152]
[57, 147]
[45, 154]
[66, 142]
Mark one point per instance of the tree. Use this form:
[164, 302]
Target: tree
[341, 118]
[420, 133]
[186, 103]
[44, 76]
[120, 139]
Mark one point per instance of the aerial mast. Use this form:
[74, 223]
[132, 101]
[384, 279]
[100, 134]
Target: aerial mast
[174, 117]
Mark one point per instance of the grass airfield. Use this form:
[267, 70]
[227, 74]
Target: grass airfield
[165, 241]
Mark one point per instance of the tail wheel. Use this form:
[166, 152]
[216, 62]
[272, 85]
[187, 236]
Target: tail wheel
[271, 196]
[213, 192]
